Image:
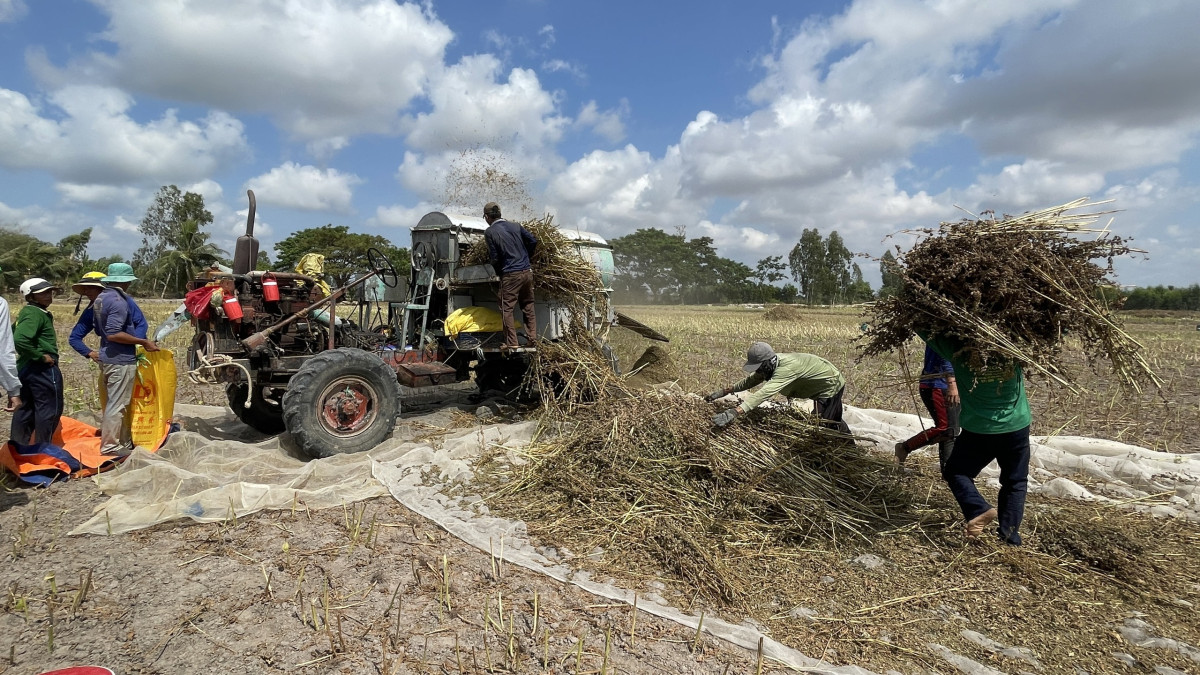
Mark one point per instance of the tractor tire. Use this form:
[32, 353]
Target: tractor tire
[341, 401]
[262, 415]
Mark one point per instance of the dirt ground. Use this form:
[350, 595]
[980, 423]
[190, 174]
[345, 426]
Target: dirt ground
[302, 592]
[191, 598]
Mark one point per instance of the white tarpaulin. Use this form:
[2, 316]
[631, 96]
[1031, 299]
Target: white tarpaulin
[217, 469]
[1075, 467]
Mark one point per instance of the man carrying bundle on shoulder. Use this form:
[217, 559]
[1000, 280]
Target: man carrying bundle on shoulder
[995, 423]
[994, 296]
[795, 375]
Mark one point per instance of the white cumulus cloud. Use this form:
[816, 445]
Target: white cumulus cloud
[84, 135]
[319, 68]
[306, 188]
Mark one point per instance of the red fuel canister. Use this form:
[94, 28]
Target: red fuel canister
[233, 308]
[270, 288]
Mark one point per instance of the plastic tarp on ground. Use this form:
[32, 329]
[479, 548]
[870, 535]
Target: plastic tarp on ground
[220, 467]
[1163, 483]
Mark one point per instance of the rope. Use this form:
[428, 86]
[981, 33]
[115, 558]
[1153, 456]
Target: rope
[210, 366]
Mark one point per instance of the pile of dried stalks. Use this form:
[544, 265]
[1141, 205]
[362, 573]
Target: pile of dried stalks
[653, 484]
[558, 269]
[1009, 289]
[573, 370]
[782, 313]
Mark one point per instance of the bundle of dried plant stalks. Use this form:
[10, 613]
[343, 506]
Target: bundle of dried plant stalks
[576, 369]
[653, 484]
[1014, 289]
[559, 270]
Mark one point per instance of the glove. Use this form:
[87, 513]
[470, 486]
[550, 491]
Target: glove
[720, 393]
[724, 418]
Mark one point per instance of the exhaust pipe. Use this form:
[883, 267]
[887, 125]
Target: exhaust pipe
[245, 251]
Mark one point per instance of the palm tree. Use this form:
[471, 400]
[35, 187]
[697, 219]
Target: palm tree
[188, 251]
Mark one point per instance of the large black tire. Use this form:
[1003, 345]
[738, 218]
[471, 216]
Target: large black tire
[341, 401]
[262, 415]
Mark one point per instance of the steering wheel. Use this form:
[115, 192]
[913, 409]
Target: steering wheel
[421, 256]
[383, 267]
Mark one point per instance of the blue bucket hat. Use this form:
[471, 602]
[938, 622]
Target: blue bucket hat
[119, 273]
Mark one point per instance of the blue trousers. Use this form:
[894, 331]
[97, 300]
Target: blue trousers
[41, 404]
[972, 452]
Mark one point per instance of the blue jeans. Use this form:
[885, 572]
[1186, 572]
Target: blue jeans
[972, 452]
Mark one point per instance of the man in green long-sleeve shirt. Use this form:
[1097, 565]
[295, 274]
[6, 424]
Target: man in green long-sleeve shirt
[796, 375]
[37, 366]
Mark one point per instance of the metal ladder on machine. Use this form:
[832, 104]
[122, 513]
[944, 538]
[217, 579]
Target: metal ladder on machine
[422, 292]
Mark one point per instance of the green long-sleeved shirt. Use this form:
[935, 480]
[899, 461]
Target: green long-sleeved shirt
[798, 375]
[33, 335]
[991, 403]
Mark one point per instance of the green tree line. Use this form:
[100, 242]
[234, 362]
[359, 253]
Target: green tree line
[23, 256]
[660, 267]
[1164, 297]
[177, 247]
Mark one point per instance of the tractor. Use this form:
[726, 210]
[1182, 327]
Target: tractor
[290, 363]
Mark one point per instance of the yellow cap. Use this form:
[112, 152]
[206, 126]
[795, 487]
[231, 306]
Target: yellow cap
[93, 275]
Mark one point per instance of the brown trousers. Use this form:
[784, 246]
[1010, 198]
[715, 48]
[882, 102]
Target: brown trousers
[517, 288]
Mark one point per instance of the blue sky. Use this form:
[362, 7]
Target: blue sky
[744, 122]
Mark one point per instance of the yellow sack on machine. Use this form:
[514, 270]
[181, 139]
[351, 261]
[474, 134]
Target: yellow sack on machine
[153, 403]
[474, 320]
[313, 265]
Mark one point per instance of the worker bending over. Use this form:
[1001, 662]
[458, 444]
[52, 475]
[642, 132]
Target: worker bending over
[796, 375]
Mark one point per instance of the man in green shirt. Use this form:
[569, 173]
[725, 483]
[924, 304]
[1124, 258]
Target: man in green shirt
[795, 375]
[995, 423]
[37, 367]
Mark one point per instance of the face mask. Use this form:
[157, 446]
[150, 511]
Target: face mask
[768, 368]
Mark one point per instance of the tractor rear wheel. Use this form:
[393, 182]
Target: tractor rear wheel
[341, 401]
[263, 414]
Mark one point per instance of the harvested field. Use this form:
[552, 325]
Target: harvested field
[783, 313]
[194, 597]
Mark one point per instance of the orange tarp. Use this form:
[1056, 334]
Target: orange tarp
[75, 452]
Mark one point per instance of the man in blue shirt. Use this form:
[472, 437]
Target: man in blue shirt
[89, 287]
[509, 248]
[114, 324]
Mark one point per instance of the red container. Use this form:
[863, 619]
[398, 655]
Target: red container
[270, 288]
[233, 308]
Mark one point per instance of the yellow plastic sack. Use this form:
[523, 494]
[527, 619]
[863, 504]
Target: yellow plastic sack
[153, 402]
[475, 320]
[313, 265]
